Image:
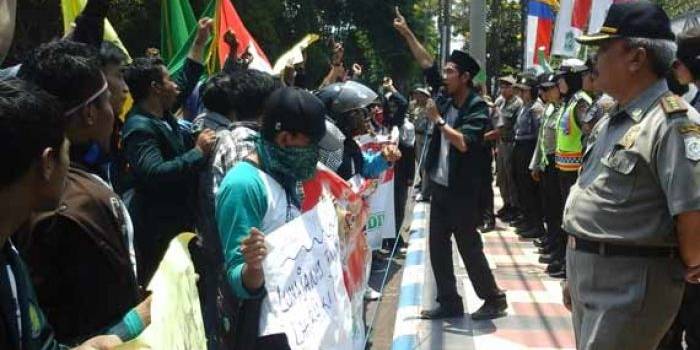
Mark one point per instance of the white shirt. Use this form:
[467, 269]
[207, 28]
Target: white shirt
[441, 173]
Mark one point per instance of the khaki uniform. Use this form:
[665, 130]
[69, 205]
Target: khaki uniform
[640, 169]
[505, 175]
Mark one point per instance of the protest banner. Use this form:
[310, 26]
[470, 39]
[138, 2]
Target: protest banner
[176, 316]
[379, 193]
[356, 256]
[306, 295]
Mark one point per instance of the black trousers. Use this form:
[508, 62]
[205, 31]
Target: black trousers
[456, 214]
[486, 192]
[405, 170]
[688, 321]
[566, 180]
[552, 203]
[528, 189]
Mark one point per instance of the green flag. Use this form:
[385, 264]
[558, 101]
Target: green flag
[543, 60]
[480, 77]
[177, 61]
[177, 22]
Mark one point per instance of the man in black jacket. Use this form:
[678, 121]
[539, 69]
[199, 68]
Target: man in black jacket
[164, 164]
[454, 162]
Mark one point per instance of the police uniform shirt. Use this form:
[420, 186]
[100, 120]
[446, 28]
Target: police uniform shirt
[640, 170]
[509, 110]
[527, 122]
[441, 174]
[547, 138]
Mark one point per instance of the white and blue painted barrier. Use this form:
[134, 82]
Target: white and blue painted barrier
[411, 293]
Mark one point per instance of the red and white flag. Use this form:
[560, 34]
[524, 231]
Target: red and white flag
[227, 18]
[540, 20]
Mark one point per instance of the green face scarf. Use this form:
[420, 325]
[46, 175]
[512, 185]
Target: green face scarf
[291, 163]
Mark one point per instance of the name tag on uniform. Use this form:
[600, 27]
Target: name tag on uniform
[630, 136]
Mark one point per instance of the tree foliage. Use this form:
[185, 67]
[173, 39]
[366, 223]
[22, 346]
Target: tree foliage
[365, 26]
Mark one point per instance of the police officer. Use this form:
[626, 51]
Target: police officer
[687, 65]
[578, 99]
[601, 102]
[544, 171]
[508, 105]
[687, 70]
[455, 163]
[634, 212]
[526, 128]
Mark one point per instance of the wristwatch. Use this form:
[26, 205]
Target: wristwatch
[440, 123]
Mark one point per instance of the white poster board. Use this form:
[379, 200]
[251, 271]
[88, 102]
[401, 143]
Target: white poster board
[306, 296]
[381, 223]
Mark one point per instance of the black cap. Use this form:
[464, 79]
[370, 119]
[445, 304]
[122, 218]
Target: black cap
[296, 110]
[465, 62]
[638, 19]
[689, 48]
[526, 83]
[547, 80]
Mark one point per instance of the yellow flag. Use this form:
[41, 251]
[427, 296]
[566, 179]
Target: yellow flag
[294, 55]
[554, 4]
[71, 10]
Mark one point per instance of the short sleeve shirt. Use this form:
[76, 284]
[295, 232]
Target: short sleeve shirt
[509, 112]
[639, 171]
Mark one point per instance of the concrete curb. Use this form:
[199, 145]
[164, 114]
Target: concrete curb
[411, 293]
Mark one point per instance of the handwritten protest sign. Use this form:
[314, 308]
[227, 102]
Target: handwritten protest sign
[355, 254]
[306, 295]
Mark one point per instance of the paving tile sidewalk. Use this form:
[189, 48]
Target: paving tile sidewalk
[536, 317]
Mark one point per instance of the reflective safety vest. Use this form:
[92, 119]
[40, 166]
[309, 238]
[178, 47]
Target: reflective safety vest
[569, 147]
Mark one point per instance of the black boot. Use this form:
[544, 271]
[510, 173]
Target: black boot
[534, 232]
[554, 266]
[488, 226]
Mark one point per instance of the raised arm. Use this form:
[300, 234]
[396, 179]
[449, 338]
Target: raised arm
[204, 28]
[425, 60]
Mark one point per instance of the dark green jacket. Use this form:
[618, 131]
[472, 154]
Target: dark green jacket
[465, 169]
[36, 332]
[164, 169]
[16, 289]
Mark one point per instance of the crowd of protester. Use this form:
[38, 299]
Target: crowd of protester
[90, 202]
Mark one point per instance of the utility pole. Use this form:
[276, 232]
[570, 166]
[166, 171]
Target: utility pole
[445, 30]
[477, 31]
[495, 45]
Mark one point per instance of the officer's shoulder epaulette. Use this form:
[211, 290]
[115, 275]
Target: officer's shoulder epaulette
[673, 104]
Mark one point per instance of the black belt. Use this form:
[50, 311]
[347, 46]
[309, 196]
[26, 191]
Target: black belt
[610, 249]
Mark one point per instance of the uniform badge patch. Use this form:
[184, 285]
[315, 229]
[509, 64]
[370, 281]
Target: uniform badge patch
[692, 146]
